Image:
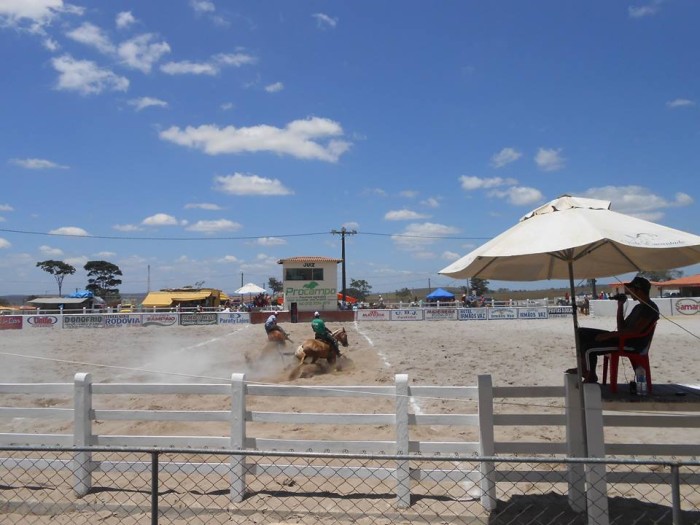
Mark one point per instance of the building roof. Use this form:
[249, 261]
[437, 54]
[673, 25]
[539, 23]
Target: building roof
[167, 298]
[65, 300]
[689, 280]
[308, 258]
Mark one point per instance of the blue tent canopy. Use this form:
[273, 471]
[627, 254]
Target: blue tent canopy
[440, 295]
[81, 294]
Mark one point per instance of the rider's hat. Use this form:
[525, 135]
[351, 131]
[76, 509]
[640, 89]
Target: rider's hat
[316, 314]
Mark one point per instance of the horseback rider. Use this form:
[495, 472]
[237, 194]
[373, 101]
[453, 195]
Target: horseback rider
[324, 334]
[271, 325]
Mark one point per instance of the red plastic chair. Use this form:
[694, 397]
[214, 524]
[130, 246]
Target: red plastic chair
[636, 358]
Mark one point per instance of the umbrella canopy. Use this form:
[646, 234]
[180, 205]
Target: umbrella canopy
[584, 232]
[250, 288]
[439, 295]
[572, 236]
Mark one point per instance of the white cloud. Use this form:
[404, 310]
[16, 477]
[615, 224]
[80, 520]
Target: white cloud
[50, 252]
[124, 19]
[505, 157]
[299, 138]
[105, 255]
[127, 228]
[227, 106]
[518, 195]
[324, 21]
[470, 183]
[147, 102]
[680, 103]
[202, 6]
[449, 256]
[4, 243]
[409, 194]
[189, 68]
[142, 52]
[12, 12]
[430, 202]
[404, 215]
[645, 10]
[218, 225]
[203, 206]
[638, 201]
[86, 77]
[69, 231]
[418, 235]
[229, 259]
[549, 159]
[274, 88]
[160, 219]
[91, 35]
[38, 164]
[242, 184]
[77, 262]
[210, 67]
[270, 241]
[6, 207]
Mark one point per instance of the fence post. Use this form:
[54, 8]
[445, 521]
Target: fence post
[403, 472]
[575, 446]
[82, 433]
[487, 445]
[238, 436]
[676, 494]
[596, 484]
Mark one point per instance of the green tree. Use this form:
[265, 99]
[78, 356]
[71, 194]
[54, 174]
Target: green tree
[102, 279]
[479, 286]
[359, 289]
[275, 285]
[404, 294]
[58, 269]
[662, 275]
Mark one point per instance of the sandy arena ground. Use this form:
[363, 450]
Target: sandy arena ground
[520, 353]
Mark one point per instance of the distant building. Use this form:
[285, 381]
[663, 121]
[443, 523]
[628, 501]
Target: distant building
[310, 283]
[185, 298]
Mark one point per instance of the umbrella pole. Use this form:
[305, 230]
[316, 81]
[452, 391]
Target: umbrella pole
[579, 359]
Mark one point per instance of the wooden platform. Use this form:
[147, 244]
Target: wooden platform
[666, 397]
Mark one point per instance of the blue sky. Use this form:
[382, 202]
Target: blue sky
[209, 139]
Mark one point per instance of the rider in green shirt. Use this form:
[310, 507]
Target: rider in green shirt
[324, 334]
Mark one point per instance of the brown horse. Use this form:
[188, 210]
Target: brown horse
[278, 336]
[317, 349]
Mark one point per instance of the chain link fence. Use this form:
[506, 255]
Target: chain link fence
[170, 486]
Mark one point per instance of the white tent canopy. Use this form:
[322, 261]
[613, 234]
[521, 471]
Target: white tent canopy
[250, 289]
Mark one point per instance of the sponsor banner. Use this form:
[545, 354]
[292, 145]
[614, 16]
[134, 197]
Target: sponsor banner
[198, 319]
[532, 313]
[43, 321]
[114, 320]
[166, 319]
[687, 306]
[559, 311]
[234, 318]
[502, 313]
[472, 314]
[83, 321]
[373, 315]
[413, 314]
[436, 314]
[10, 322]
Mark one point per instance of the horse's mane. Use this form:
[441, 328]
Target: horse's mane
[336, 332]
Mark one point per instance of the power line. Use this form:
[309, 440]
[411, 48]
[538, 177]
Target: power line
[235, 238]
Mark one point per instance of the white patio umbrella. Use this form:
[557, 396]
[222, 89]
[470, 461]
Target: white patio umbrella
[572, 237]
[250, 288]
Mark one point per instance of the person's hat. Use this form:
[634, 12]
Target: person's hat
[640, 283]
[316, 314]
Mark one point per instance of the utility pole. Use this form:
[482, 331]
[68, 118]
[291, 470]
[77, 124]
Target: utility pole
[343, 232]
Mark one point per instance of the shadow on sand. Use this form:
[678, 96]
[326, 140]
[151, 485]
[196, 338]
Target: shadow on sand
[548, 509]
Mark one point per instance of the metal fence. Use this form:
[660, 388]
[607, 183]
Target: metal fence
[178, 486]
